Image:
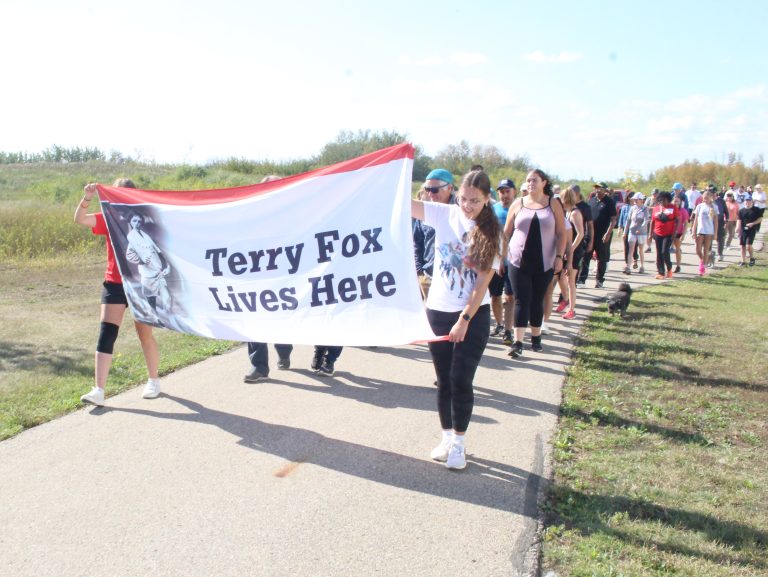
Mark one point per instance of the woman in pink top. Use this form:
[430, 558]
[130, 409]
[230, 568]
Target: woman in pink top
[733, 216]
[680, 231]
[535, 230]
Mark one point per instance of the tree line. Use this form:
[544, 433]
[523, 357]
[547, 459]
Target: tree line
[457, 158]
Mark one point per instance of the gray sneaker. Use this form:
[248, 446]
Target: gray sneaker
[326, 369]
[254, 376]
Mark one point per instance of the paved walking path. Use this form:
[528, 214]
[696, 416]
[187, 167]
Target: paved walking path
[297, 476]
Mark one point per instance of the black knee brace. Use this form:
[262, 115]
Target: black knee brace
[107, 338]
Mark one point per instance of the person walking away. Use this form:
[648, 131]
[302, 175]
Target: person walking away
[458, 305]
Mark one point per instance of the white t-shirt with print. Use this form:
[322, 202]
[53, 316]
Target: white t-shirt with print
[452, 279]
[705, 223]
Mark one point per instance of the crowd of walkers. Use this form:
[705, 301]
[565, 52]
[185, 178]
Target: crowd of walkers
[511, 252]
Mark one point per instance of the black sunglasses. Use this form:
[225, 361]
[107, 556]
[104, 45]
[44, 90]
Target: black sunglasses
[435, 189]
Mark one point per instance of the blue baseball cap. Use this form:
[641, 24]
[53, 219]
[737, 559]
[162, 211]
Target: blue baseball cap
[506, 183]
[440, 174]
[677, 186]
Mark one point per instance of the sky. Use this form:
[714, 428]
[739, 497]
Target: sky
[591, 89]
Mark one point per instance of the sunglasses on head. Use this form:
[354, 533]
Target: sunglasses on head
[435, 189]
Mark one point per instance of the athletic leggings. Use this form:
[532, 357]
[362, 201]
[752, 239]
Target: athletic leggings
[529, 289]
[663, 244]
[455, 365]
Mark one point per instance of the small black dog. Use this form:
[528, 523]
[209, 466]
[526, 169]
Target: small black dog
[619, 301]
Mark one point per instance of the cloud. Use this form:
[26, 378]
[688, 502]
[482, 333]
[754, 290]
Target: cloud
[428, 61]
[562, 58]
[670, 123]
[468, 58]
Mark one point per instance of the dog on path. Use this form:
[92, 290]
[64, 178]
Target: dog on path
[618, 301]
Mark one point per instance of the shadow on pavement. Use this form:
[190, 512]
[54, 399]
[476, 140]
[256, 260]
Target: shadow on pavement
[485, 483]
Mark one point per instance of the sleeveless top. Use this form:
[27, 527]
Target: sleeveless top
[532, 246]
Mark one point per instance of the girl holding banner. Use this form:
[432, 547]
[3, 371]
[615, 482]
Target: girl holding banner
[113, 305]
[467, 236]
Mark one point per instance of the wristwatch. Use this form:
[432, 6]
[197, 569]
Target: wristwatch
[466, 317]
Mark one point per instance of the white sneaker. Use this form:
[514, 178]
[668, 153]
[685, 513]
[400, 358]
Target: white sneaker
[544, 328]
[456, 458]
[440, 453]
[95, 397]
[151, 389]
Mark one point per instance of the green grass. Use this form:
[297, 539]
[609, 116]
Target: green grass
[50, 312]
[660, 457]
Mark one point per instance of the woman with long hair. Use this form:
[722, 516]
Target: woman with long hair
[458, 305]
[574, 252]
[535, 232]
[704, 229]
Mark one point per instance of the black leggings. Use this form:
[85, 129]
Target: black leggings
[455, 365]
[663, 257]
[529, 289]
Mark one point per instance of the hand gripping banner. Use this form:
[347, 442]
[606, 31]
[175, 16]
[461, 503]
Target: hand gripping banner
[324, 257]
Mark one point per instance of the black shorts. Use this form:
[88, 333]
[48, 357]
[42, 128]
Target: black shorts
[113, 294]
[496, 286]
[747, 236]
[578, 257]
[499, 285]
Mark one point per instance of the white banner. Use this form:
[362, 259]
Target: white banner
[320, 258]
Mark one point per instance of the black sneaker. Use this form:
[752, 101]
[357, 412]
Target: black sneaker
[599, 284]
[507, 339]
[677, 268]
[317, 361]
[497, 330]
[254, 376]
[284, 364]
[536, 344]
[326, 369]
[752, 262]
[517, 350]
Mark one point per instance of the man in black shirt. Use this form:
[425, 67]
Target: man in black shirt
[604, 221]
[589, 234]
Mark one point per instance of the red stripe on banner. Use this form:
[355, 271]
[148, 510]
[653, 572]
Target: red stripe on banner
[114, 194]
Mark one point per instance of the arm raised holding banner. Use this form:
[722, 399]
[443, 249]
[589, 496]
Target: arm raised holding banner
[113, 305]
[467, 237]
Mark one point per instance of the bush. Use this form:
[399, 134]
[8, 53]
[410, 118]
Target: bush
[33, 230]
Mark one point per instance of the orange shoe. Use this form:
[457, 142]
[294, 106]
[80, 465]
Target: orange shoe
[659, 277]
[669, 274]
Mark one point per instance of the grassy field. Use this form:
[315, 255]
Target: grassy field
[660, 458]
[50, 321]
